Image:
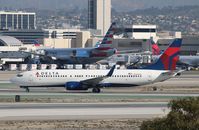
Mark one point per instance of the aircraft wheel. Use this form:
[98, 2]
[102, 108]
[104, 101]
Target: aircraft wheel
[96, 90]
[155, 89]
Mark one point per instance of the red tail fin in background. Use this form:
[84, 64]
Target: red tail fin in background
[155, 48]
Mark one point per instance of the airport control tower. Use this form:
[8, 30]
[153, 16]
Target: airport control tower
[99, 15]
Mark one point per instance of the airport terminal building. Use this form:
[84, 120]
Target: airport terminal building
[134, 38]
[17, 20]
[22, 26]
[11, 50]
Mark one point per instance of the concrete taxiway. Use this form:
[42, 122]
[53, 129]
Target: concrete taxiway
[91, 98]
[58, 111]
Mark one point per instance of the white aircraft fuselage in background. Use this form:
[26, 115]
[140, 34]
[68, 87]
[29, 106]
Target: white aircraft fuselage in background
[91, 55]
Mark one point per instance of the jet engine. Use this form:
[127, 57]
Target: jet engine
[75, 86]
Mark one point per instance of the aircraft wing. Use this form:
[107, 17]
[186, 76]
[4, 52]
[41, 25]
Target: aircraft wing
[33, 53]
[95, 81]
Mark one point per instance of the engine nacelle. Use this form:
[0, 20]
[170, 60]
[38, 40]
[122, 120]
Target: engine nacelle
[75, 86]
[105, 85]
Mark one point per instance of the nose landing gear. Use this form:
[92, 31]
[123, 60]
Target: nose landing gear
[27, 89]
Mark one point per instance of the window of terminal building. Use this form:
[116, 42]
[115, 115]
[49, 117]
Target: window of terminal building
[9, 21]
[141, 30]
[31, 22]
[144, 30]
[19, 22]
[15, 22]
[3, 21]
[25, 21]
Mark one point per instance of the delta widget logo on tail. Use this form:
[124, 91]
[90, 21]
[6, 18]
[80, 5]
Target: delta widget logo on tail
[169, 58]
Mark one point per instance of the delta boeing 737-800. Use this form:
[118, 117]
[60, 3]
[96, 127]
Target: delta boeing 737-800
[84, 79]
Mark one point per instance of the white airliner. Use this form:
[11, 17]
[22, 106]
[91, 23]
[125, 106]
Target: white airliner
[162, 70]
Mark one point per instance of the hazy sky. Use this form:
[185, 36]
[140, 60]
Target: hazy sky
[119, 5]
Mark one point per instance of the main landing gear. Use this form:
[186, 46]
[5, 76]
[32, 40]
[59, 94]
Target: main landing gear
[96, 90]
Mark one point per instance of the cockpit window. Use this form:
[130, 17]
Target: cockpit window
[19, 75]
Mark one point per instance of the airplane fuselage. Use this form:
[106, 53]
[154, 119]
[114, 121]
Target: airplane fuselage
[183, 59]
[189, 60]
[78, 55]
[120, 78]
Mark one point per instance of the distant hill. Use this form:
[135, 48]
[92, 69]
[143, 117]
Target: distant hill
[119, 5]
[191, 11]
[43, 4]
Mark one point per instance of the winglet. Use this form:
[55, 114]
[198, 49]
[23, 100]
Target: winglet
[110, 73]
